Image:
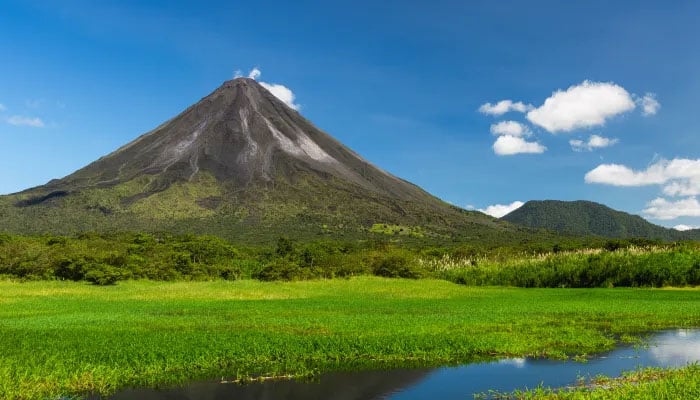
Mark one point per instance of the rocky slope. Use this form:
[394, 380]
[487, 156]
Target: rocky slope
[243, 165]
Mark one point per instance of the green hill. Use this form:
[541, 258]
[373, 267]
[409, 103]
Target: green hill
[589, 218]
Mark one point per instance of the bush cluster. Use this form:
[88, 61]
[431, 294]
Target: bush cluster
[292, 261]
[104, 259]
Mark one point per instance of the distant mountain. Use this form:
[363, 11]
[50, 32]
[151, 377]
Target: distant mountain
[240, 164]
[589, 218]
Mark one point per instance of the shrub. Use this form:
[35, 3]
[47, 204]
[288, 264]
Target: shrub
[281, 269]
[397, 264]
[71, 268]
[341, 265]
[103, 275]
[285, 247]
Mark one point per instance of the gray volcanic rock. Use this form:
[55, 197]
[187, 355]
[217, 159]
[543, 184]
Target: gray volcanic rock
[240, 164]
[242, 134]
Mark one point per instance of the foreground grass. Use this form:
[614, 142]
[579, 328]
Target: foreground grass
[646, 384]
[68, 338]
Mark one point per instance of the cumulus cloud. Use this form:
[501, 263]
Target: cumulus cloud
[508, 145]
[503, 107]
[683, 228]
[254, 73]
[681, 176]
[650, 105]
[511, 128]
[585, 105]
[664, 209]
[620, 175]
[282, 92]
[594, 142]
[687, 187]
[2, 107]
[19, 120]
[499, 210]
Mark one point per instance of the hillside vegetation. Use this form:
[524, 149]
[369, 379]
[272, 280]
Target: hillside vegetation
[259, 215]
[589, 218]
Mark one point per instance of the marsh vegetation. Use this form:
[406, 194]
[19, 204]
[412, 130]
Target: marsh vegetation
[95, 313]
[72, 337]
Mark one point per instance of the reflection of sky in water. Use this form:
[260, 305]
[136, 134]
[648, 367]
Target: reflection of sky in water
[667, 349]
[678, 348]
[516, 362]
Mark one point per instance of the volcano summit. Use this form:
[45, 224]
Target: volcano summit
[239, 164]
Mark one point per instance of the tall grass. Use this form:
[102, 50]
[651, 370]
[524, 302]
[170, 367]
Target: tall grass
[629, 267]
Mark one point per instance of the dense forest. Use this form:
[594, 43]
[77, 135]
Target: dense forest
[590, 218]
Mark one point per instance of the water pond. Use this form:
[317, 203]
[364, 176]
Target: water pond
[674, 348]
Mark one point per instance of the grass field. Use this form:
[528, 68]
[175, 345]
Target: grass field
[646, 384]
[68, 338]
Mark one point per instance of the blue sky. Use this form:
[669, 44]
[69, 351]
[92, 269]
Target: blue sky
[400, 82]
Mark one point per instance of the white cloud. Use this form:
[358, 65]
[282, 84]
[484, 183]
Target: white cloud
[254, 73]
[681, 176]
[508, 145]
[650, 105]
[499, 210]
[280, 91]
[511, 128]
[682, 227]
[2, 107]
[503, 107]
[581, 106]
[594, 142]
[19, 120]
[686, 187]
[283, 93]
[661, 208]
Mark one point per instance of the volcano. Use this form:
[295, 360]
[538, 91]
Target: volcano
[239, 164]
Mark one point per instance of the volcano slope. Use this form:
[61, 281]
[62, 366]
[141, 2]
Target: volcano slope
[242, 165]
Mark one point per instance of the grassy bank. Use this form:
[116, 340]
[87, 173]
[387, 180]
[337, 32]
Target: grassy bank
[588, 268]
[68, 337]
[646, 384]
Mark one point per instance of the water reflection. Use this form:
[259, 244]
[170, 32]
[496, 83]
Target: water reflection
[667, 349]
[340, 386]
[677, 348]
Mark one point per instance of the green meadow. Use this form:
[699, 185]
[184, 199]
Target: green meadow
[71, 338]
